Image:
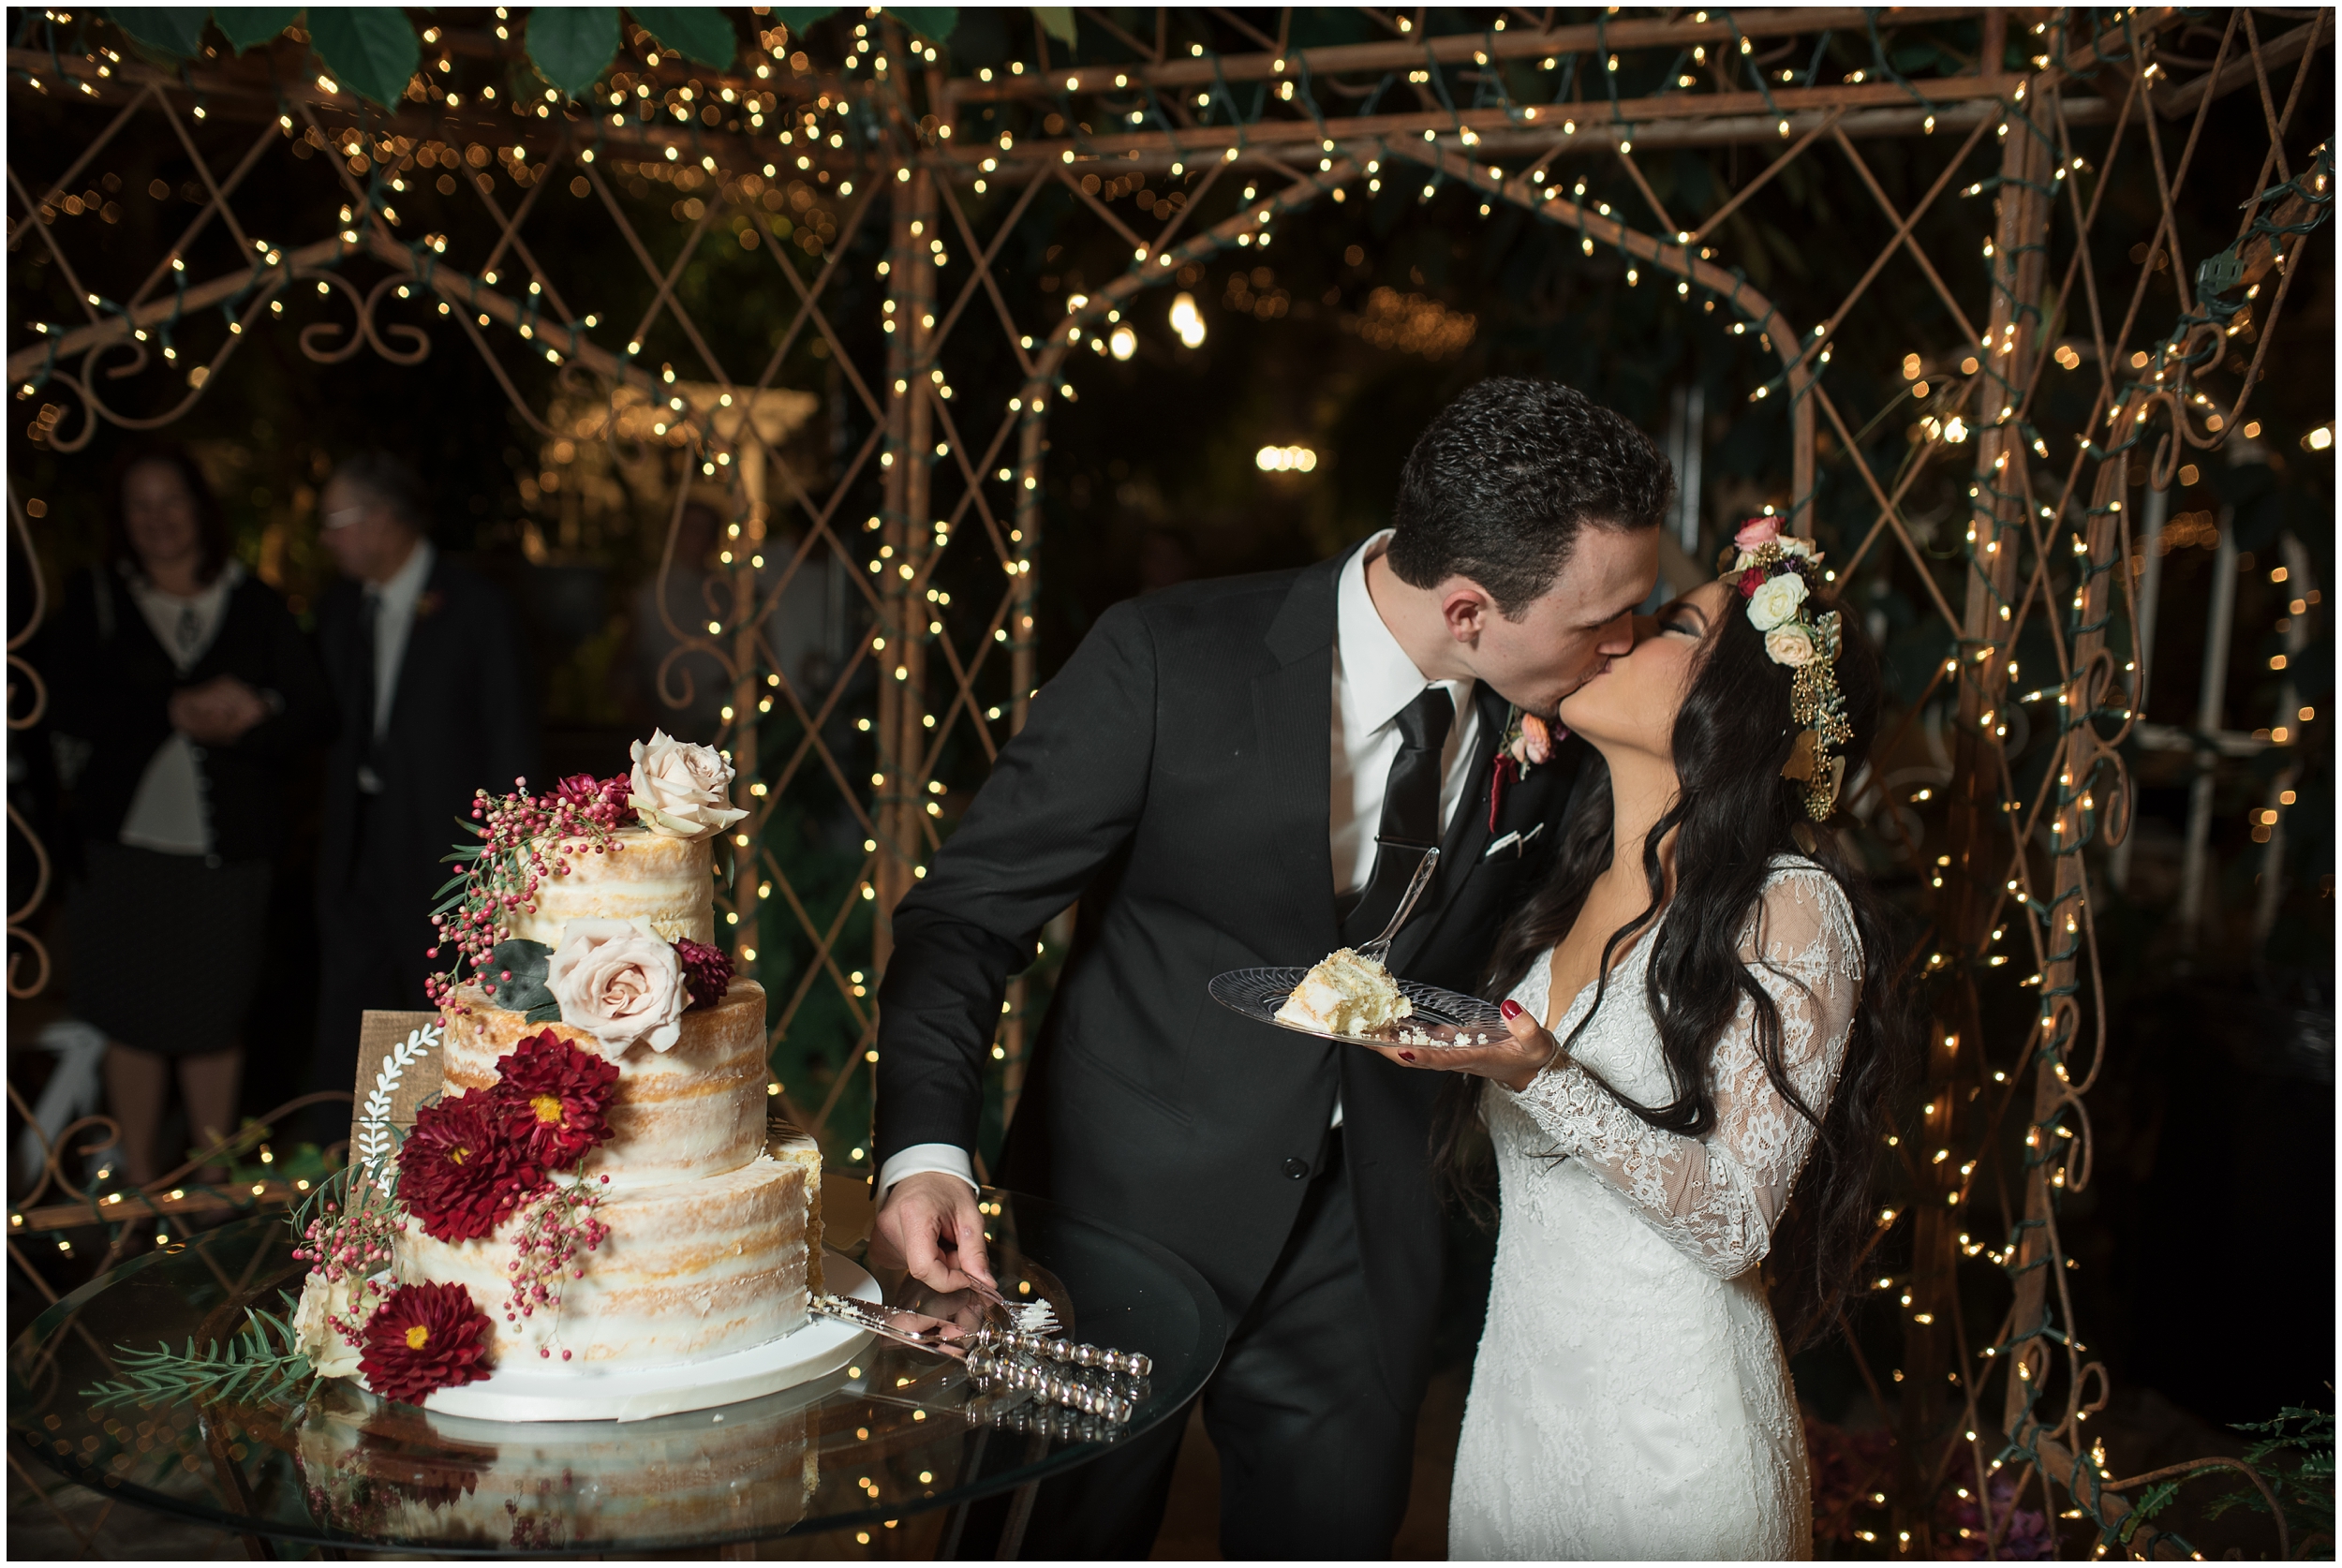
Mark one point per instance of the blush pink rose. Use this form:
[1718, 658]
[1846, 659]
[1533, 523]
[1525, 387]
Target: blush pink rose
[617, 985]
[1756, 532]
[681, 790]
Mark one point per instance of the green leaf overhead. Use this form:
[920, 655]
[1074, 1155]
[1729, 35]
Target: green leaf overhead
[173, 30]
[245, 27]
[1058, 21]
[701, 32]
[370, 49]
[797, 18]
[932, 23]
[572, 45]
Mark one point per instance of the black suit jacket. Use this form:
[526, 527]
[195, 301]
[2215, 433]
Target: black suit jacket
[461, 720]
[110, 685]
[1175, 778]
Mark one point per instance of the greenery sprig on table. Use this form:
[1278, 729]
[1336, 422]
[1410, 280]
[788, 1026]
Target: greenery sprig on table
[263, 1361]
[258, 1364]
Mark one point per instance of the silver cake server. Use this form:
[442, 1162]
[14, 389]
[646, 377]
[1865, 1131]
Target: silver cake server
[1008, 1358]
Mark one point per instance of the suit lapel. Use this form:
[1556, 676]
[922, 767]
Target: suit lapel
[1293, 712]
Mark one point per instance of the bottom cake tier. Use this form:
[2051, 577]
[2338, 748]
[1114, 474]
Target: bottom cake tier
[694, 1269]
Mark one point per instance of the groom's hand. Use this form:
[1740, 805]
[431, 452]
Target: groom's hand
[928, 1224]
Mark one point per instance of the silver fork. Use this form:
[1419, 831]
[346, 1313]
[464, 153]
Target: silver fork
[1024, 1317]
[1379, 949]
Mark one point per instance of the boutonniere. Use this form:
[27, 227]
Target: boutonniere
[428, 603]
[1528, 742]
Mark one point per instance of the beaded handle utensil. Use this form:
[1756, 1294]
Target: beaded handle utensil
[1008, 1357]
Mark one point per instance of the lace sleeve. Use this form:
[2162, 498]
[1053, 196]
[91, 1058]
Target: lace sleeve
[1716, 1198]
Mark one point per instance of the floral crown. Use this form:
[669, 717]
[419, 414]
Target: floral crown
[1775, 573]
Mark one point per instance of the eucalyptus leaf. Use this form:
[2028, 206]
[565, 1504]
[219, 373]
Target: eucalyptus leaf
[371, 50]
[525, 961]
[1058, 21]
[246, 27]
[572, 45]
[701, 32]
[173, 30]
[543, 1013]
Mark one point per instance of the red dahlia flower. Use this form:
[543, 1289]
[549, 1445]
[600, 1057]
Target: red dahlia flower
[551, 1100]
[706, 972]
[460, 1173]
[423, 1339]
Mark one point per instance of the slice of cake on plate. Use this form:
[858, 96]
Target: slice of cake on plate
[1347, 993]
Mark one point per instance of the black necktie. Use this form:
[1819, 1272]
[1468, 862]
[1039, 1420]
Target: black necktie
[1410, 824]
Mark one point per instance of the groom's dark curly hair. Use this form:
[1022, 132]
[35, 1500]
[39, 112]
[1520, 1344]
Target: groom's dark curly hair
[1499, 485]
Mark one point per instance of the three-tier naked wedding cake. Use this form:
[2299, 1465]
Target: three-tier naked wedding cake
[598, 1185]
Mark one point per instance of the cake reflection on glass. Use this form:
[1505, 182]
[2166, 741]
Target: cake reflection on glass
[1347, 993]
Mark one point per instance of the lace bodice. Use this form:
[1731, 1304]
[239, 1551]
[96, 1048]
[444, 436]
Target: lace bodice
[1715, 1198]
[1631, 1399]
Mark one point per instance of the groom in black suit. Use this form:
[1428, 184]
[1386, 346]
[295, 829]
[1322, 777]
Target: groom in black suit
[1241, 773]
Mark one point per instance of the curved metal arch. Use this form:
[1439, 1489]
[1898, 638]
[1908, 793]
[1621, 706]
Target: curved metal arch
[1349, 163]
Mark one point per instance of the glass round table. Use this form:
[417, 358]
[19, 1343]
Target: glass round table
[898, 1432]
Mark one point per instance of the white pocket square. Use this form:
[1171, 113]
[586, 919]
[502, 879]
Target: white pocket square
[1516, 842]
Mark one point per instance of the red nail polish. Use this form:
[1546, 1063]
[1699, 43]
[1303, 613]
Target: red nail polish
[1406, 1055]
[1511, 1007]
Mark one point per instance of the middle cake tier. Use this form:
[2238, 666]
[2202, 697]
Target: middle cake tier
[695, 1109]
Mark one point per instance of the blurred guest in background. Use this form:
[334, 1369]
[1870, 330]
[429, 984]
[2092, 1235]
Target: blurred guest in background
[181, 688]
[425, 658]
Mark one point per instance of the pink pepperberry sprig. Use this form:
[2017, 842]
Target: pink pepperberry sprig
[523, 839]
[351, 1244]
[556, 1232]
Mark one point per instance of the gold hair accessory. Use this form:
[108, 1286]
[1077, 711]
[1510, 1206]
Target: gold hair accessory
[1774, 573]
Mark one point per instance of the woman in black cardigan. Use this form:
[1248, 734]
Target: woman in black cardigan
[181, 688]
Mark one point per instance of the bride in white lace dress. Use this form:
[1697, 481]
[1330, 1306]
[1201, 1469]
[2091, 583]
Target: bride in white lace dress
[1699, 1018]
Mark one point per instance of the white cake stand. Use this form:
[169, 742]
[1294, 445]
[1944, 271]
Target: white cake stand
[530, 1393]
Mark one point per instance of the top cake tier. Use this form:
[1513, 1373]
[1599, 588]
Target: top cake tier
[664, 886]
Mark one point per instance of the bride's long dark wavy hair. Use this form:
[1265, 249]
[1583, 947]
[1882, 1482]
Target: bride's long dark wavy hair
[1734, 814]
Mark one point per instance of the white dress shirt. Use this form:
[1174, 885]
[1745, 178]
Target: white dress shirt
[1374, 680]
[398, 598]
[167, 813]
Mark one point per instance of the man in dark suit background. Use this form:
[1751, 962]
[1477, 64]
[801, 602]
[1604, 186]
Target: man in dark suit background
[425, 658]
[1245, 773]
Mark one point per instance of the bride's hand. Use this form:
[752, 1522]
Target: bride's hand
[1514, 1060]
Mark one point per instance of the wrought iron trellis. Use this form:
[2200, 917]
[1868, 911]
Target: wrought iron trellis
[903, 128]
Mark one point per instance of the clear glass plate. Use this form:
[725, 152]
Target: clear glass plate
[1441, 1018]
